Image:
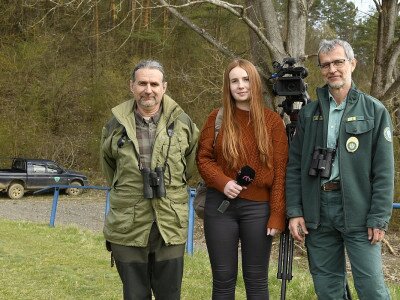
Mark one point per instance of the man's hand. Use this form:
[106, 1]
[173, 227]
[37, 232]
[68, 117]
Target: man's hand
[232, 189]
[375, 235]
[298, 228]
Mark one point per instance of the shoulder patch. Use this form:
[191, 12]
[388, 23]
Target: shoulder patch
[387, 134]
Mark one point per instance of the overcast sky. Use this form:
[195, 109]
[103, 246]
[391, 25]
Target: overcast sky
[363, 5]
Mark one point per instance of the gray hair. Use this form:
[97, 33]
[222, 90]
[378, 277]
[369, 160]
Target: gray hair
[328, 45]
[148, 64]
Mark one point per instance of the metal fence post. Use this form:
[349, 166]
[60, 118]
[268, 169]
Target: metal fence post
[107, 208]
[54, 207]
[189, 243]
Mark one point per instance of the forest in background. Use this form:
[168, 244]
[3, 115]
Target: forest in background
[65, 64]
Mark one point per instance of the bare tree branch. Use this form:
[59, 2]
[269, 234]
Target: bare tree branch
[393, 91]
[393, 54]
[202, 32]
[377, 5]
[237, 10]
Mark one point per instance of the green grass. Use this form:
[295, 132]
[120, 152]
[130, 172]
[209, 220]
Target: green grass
[39, 262]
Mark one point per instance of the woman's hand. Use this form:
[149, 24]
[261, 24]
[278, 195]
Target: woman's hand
[272, 231]
[232, 189]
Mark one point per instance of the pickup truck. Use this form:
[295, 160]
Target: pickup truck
[35, 174]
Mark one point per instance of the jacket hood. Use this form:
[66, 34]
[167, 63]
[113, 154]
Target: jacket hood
[124, 111]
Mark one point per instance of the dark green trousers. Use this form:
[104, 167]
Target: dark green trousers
[326, 255]
[156, 269]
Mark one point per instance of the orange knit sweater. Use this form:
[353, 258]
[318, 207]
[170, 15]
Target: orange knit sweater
[268, 184]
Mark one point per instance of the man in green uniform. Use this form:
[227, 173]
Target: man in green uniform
[147, 155]
[340, 180]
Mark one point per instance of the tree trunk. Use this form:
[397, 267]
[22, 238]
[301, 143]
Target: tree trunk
[96, 38]
[113, 14]
[133, 14]
[258, 52]
[385, 78]
[296, 29]
[218, 24]
[147, 15]
[165, 22]
[272, 30]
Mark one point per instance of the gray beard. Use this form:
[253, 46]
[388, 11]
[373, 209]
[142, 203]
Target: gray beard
[336, 86]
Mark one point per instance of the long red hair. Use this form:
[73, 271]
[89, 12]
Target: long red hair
[232, 148]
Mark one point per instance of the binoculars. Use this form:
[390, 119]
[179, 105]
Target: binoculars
[321, 163]
[153, 183]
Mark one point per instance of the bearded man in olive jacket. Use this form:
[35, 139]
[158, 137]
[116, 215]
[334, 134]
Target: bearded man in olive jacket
[340, 180]
[147, 153]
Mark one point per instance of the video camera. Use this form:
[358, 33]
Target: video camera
[288, 82]
[292, 85]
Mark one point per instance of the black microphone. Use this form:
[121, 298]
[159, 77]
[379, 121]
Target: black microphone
[244, 177]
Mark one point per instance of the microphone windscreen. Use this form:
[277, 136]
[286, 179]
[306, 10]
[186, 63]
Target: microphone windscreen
[245, 176]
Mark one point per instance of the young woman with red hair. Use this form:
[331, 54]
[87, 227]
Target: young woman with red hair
[250, 135]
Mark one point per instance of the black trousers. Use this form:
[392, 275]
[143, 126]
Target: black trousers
[246, 221]
[156, 269]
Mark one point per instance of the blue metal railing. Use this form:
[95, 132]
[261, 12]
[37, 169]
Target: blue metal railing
[56, 194]
[191, 191]
[57, 188]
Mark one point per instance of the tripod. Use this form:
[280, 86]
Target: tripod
[286, 243]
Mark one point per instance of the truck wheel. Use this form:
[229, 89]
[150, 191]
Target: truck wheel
[16, 191]
[74, 191]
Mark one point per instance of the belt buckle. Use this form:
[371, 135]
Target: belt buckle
[324, 187]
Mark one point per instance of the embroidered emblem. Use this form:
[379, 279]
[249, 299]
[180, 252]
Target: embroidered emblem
[387, 134]
[318, 118]
[56, 179]
[352, 144]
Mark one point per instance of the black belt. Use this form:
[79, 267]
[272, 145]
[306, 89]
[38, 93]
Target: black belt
[331, 186]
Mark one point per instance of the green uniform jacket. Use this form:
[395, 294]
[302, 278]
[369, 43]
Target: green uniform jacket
[131, 215]
[367, 174]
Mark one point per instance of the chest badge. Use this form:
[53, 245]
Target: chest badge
[352, 144]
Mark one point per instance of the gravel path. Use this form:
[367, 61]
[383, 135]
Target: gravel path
[85, 211]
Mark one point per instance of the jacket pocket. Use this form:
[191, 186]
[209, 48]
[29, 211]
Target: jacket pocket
[181, 214]
[120, 219]
[359, 126]
[121, 215]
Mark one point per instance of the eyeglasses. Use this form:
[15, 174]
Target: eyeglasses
[338, 63]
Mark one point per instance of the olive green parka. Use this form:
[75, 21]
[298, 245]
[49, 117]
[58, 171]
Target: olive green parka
[366, 170]
[131, 216]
